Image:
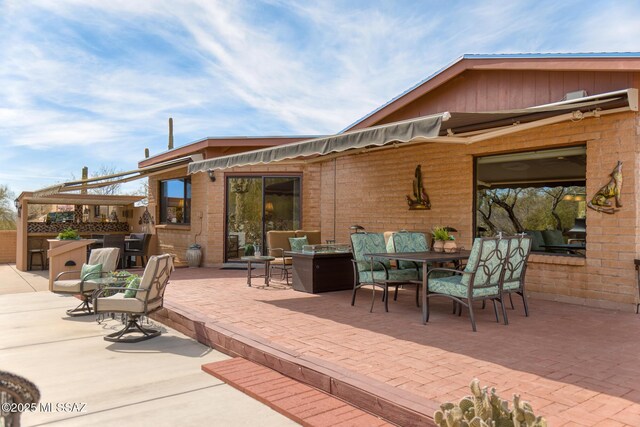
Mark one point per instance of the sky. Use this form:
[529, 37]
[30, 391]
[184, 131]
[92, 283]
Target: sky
[93, 82]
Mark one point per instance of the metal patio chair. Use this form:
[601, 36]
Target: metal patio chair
[480, 280]
[147, 298]
[85, 286]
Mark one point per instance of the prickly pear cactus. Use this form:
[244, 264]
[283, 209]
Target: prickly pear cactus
[484, 409]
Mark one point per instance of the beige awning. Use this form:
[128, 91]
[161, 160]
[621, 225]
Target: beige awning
[457, 128]
[79, 199]
[117, 178]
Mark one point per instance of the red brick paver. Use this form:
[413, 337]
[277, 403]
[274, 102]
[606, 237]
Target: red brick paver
[576, 365]
[302, 403]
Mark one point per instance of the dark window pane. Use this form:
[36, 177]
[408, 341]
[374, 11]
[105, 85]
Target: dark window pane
[175, 201]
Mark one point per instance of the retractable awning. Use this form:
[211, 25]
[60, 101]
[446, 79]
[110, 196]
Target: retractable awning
[446, 127]
[116, 178]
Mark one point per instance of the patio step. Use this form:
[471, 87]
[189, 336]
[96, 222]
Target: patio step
[300, 402]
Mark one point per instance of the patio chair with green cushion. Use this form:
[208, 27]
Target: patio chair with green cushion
[409, 241]
[101, 262]
[480, 280]
[138, 300]
[515, 269]
[376, 272]
[553, 237]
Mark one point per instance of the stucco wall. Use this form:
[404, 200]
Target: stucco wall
[371, 189]
[8, 246]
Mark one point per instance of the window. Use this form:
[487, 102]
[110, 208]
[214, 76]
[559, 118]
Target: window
[175, 201]
[541, 193]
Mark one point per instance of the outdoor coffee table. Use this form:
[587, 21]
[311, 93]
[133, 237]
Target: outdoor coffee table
[266, 260]
[425, 258]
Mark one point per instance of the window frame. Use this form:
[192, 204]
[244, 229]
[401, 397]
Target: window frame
[163, 201]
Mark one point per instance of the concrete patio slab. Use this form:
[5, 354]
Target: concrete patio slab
[577, 365]
[13, 281]
[157, 382]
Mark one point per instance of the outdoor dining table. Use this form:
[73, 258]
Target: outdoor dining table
[426, 258]
[571, 248]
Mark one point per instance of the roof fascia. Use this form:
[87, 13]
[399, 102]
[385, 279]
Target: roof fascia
[491, 63]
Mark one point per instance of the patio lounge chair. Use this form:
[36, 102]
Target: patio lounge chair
[515, 269]
[481, 278]
[377, 273]
[85, 286]
[148, 297]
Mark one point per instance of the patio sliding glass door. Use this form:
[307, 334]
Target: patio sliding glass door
[255, 205]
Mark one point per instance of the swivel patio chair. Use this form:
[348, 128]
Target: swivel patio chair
[86, 285]
[480, 280]
[147, 298]
[376, 272]
[515, 269]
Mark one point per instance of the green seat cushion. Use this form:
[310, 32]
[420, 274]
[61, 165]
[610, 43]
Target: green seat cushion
[369, 243]
[91, 271]
[453, 286]
[511, 286]
[553, 237]
[132, 285]
[297, 243]
[397, 275]
[408, 241]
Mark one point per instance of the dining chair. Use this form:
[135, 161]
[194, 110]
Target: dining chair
[139, 248]
[515, 269]
[376, 272]
[480, 280]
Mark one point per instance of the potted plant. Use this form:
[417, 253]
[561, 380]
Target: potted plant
[249, 250]
[443, 240]
[194, 255]
[68, 234]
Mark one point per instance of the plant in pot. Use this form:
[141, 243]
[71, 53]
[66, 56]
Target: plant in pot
[249, 250]
[194, 255]
[443, 240]
[68, 234]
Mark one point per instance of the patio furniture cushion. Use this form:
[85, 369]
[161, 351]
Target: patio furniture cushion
[282, 261]
[131, 288]
[90, 271]
[519, 249]
[536, 239]
[453, 286]
[119, 303]
[367, 243]
[313, 236]
[297, 243]
[399, 275]
[73, 286]
[553, 237]
[409, 241]
[486, 260]
[278, 241]
[511, 285]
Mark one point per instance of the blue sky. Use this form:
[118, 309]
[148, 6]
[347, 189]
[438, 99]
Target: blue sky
[93, 82]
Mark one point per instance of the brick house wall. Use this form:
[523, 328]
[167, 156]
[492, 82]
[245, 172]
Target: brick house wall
[208, 209]
[370, 191]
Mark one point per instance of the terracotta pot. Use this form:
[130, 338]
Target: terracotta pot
[438, 246]
[194, 256]
[450, 246]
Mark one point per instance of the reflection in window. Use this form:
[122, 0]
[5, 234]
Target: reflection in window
[541, 193]
[175, 201]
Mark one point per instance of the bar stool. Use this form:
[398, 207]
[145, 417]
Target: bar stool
[37, 249]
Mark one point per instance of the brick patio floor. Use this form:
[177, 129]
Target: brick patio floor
[576, 365]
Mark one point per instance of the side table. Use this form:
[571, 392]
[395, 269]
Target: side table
[266, 260]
